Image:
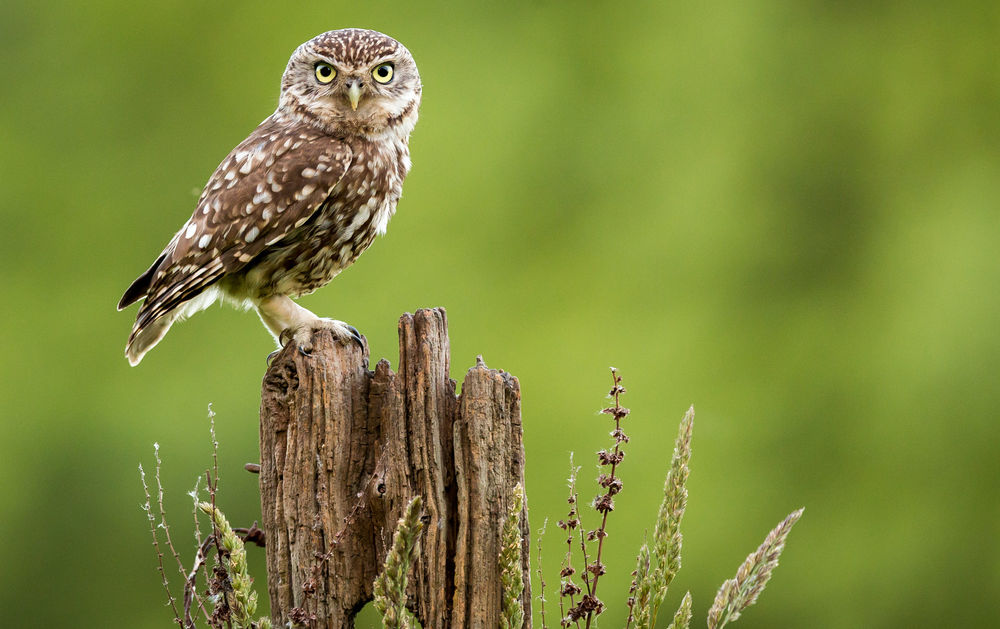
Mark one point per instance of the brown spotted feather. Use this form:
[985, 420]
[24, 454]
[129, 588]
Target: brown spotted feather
[270, 184]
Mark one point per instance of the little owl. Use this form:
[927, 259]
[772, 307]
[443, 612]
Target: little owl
[297, 201]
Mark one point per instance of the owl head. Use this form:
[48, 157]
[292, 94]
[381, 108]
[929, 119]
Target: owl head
[352, 82]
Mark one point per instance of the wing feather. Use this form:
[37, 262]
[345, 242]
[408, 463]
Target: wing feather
[273, 182]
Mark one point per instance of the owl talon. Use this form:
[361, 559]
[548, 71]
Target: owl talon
[356, 336]
[270, 357]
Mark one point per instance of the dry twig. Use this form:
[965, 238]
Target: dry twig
[148, 508]
[541, 574]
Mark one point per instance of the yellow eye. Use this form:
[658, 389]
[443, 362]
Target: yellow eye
[383, 73]
[325, 72]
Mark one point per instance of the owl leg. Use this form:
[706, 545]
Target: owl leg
[285, 319]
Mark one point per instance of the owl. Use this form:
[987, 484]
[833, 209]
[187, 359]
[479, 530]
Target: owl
[296, 202]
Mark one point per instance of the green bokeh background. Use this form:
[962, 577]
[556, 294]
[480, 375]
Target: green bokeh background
[785, 213]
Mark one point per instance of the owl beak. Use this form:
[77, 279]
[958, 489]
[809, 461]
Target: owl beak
[354, 93]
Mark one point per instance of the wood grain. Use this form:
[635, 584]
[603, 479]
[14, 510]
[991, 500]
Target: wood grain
[344, 448]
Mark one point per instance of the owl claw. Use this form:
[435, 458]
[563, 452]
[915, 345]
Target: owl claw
[356, 336]
[270, 357]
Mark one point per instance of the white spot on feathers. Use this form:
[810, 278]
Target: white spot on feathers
[204, 240]
[189, 232]
[305, 192]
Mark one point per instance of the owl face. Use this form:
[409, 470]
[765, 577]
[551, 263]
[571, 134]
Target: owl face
[352, 82]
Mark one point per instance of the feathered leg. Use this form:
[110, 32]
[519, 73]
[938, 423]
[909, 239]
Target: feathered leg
[285, 319]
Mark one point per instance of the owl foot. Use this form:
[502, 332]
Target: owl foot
[356, 336]
[303, 336]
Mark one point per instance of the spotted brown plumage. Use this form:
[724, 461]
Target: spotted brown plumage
[298, 200]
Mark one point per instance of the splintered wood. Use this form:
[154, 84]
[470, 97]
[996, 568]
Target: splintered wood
[344, 449]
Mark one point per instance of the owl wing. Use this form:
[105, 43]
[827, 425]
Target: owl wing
[270, 184]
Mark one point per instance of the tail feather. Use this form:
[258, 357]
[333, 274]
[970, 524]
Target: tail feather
[145, 338]
[148, 331]
[140, 287]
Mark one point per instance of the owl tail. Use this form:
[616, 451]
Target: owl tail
[144, 339]
[140, 287]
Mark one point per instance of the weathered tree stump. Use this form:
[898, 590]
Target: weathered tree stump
[344, 449]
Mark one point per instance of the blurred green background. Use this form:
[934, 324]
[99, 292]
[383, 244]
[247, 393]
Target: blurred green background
[785, 213]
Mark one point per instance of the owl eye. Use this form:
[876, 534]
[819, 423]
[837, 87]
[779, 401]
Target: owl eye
[383, 73]
[325, 72]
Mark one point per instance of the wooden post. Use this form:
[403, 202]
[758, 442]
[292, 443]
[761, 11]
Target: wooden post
[344, 449]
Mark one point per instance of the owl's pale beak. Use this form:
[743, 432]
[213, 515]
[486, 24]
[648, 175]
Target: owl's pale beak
[354, 93]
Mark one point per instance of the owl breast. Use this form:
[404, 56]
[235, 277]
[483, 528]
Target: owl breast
[356, 211]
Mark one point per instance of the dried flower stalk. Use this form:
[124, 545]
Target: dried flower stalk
[605, 504]
[567, 588]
